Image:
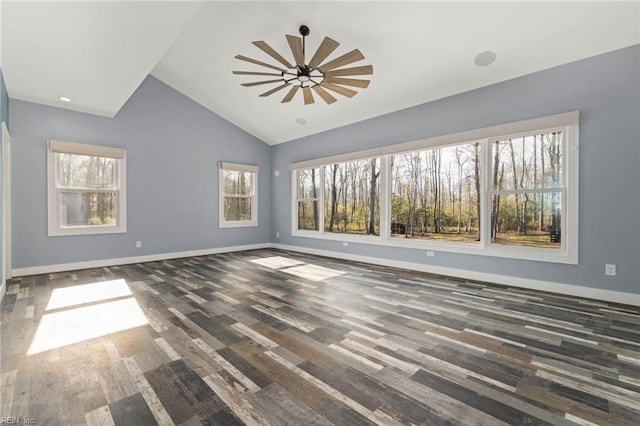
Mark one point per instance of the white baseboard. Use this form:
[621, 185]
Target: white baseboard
[552, 287]
[48, 269]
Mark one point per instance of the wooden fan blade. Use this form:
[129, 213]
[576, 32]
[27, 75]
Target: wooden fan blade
[291, 94]
[347, 58]
[253, 61]
[349, 82]
[326, 96]
[339, 89]
[257, 73]
[295, 43]
[257, 83]
[274, 90]
[363, 70]
[325, 49]
[269, 51]
[308, 97]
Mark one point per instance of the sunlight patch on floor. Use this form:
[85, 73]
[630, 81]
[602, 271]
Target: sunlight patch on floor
[313, 272]
[298, 268]
[87, 293]
[277, 262]
[68, 324]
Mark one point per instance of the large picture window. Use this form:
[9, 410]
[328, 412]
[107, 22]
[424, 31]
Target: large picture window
[507, 191]
[86, 189]
[351, 203]
[435, 194]
[238, 195]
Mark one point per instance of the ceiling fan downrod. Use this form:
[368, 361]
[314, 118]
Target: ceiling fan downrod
[304, 73]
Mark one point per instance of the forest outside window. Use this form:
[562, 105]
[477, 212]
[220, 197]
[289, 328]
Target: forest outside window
[308, 199]
[352, 198]
[528, 190]
[508, 191]
[238, 195]
[435, 194]
[86, 189]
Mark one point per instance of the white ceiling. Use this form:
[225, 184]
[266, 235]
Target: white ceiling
[97, 53]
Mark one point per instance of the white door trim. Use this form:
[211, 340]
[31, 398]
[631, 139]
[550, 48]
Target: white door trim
[6, 204]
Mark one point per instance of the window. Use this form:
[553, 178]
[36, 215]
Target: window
[507, 191]
[308, 199]
[528, 190]
[86, 189]
[435, 194]
[352, 201]
[238, 195]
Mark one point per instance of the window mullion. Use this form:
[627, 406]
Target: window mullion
[321, 202]
[385, 198]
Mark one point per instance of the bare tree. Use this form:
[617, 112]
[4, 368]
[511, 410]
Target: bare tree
[343, 182]
[514, 175]
[314, 195]
[554, 163]
[524, 171]
[436, 159]
[334, 197]
[413, 160]
[460, 160]
[476, 169]
[372, 197]
[495, 203]
[542, 171]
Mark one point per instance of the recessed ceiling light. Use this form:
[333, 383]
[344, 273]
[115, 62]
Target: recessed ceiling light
[301, 121]
[64, 99]
[485, 58]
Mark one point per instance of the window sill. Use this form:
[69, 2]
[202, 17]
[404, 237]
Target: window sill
[237, 224]
[493, 250]
[86, 230]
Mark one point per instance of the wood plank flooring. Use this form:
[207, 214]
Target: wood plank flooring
[273, 337]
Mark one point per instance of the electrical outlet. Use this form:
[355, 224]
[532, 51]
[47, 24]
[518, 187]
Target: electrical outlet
[276, 173]
[610, 270]
[345, 244]
[277, 235]
[138, 244]
[430, 253]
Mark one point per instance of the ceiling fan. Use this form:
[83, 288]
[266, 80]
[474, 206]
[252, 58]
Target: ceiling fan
[309, 76]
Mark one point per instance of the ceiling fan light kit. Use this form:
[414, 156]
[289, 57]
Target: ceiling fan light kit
[313, 76]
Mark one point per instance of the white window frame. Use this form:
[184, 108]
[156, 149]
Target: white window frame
[319, 198]
[53, 190]
[568, 123]
[225, 166]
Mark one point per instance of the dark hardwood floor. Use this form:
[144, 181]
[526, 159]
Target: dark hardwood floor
[273, 337]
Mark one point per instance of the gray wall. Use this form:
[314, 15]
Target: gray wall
[173, 149]
[605, 89]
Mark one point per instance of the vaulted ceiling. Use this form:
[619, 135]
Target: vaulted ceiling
[98, 53]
